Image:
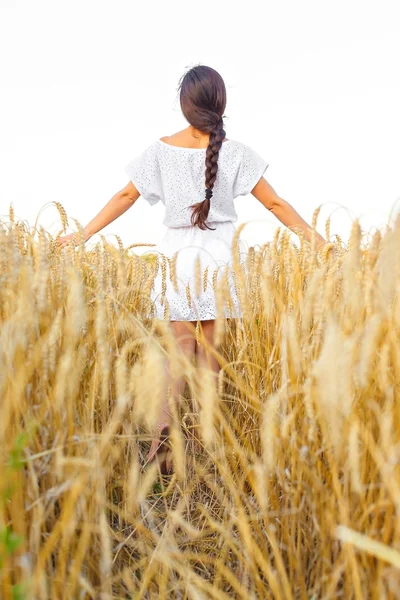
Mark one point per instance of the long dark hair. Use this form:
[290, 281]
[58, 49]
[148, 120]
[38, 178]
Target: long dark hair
[203, 102]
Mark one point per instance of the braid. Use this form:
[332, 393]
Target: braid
[201, 209]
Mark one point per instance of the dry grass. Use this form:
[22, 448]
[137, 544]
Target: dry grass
[287, 477]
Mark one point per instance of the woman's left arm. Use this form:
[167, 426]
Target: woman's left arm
[283, 211]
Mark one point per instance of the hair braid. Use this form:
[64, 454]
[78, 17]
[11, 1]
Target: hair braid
[203, 102]
[202, 209]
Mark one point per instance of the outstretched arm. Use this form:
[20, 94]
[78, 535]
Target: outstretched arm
[114, 208]
[282, 210]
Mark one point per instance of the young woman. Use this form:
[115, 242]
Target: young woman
[196, 173]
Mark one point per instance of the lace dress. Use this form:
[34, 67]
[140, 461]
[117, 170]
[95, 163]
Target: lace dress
[175, 176]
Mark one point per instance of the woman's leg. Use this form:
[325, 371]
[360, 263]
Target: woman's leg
[185, 335]
[204, 357]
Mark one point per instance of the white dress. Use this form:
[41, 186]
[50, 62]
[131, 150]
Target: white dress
[176, 176]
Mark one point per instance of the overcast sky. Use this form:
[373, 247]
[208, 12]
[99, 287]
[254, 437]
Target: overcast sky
[312, 86]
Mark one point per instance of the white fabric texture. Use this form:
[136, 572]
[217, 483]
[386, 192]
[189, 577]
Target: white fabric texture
[176, 176]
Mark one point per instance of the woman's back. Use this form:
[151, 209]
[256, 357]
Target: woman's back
[173, 173]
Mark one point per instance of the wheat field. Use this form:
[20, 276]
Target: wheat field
[286, 480]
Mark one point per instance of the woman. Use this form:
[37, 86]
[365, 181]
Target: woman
[196, 173]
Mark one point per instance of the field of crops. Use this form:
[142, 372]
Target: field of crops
[286, 480]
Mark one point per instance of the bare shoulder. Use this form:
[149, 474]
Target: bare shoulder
[180, 138]
[175, 137]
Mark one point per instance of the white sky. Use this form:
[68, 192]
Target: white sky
[312, 86]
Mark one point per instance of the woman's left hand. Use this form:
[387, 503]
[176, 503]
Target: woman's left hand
[71, 238]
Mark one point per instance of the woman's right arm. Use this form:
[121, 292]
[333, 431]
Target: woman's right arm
[283, 211]
[114, 208]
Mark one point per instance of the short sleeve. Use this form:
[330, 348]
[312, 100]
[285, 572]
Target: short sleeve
[145, 174]
[251, 168]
